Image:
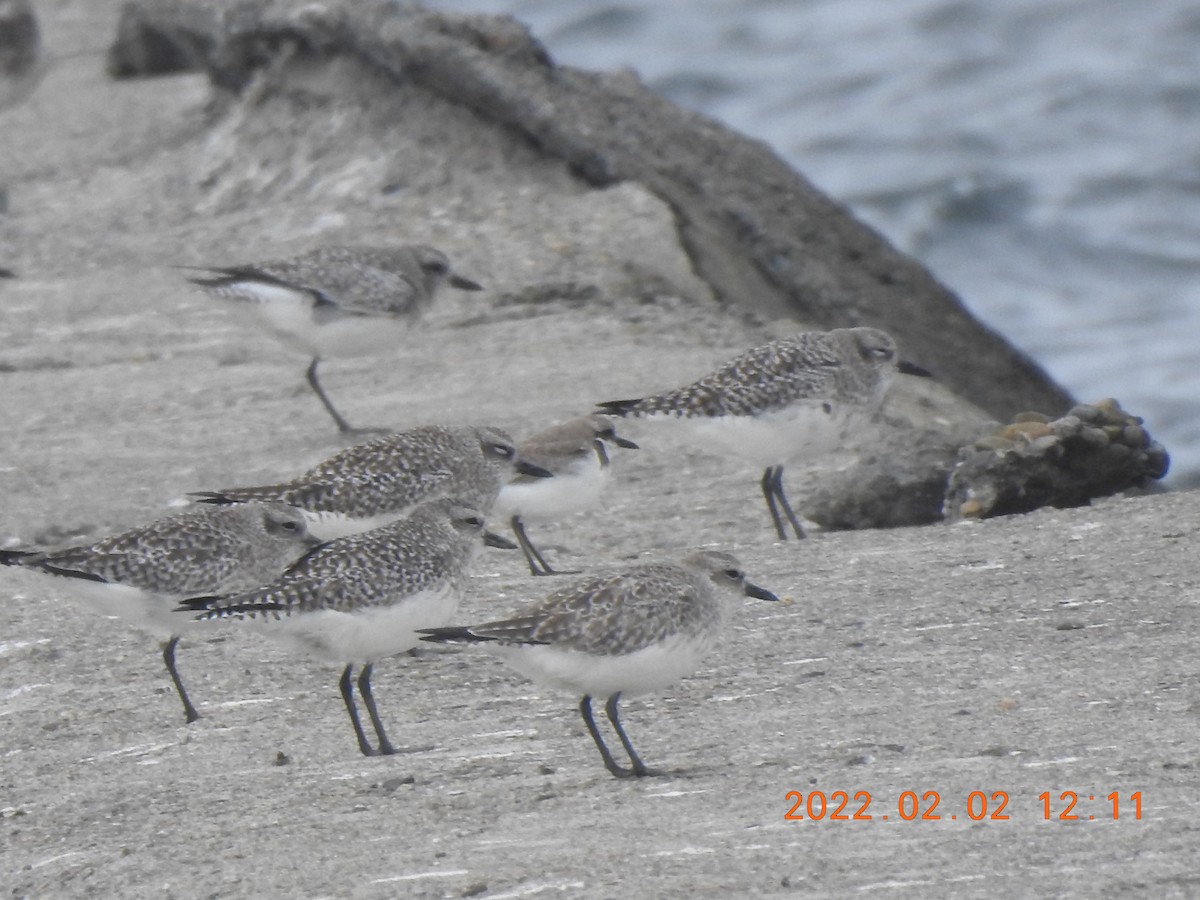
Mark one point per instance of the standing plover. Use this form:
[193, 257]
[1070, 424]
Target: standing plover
[575, 454]
[360, 599]
[377, 482]
[625, 633]
[787, 400]
[339, 301]
[142, 574]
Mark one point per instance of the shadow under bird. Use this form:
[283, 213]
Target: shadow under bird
[359, 599]
[790, 399]
[611, 635]
[142, 574]
[339, 301]
[575, 454]
[381, 480]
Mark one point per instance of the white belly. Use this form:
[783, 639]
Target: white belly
[323, 331]
[550, 499]
[649, 669]
[365, 634]
[148, 611]
[802, 431]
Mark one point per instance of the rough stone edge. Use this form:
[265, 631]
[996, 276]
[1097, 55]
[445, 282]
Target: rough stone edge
[758, 232]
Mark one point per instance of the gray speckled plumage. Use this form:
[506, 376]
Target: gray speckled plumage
[795, 398]
[378, 481]
[618, 613]
[429, 549]
[339, 301]
[846, 365]
[630, 631]
[372, 281]
[141, 574]
[362, 598]
[204, 548]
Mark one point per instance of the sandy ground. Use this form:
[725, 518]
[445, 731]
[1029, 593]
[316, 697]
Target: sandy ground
[1033, 655]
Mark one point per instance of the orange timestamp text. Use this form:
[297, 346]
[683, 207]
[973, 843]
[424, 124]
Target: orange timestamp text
[928, 806]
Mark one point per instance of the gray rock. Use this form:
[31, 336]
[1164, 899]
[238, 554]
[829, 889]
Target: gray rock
[1095, 451]
[760, 234]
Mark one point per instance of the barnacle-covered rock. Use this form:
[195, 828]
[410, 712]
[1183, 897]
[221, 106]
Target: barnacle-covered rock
[1093, 451]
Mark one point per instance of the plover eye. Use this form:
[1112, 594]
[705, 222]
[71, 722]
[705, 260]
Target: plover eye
[735, 574]
[435, 266]
[501, 450]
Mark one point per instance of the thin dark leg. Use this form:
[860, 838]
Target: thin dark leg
[772, 487]
[639, 768]
[343, 426]
[364, 690]
[783, 501]
[537, 565]
[189, 711]
[532, 556]
[585, 707]
[348, 695]
[768, 490]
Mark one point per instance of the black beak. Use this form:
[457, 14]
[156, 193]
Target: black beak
[494, 540]
[525, 467]
[464, 284]
[753, 590]
[907, 368]
[625, 442]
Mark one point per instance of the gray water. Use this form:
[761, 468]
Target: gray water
[1042, 157]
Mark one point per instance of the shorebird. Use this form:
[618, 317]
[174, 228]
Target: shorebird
[339, 301]
[786, 400]
[359, 599]
[575, 454]
[612, 635]
[377, 482]
[142, 574]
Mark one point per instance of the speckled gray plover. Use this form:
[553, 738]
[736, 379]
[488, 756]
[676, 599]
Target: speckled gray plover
[612, 635]
[360, 599]
[142, 574]
[339, 301]
[381, 480]
[790, 399]
[576, 455]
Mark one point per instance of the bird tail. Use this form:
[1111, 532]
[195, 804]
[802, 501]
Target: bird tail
[17, 557]
[452, 634]
[620, 407]
[216, 607]
[234, 496]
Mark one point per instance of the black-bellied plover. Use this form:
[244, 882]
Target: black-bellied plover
[575, 454]
[786, 400]
[142, 574]
[361, 598]
[339, 301]
[379, 481]
[630, 632]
